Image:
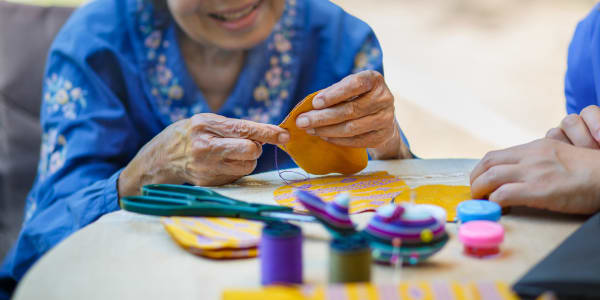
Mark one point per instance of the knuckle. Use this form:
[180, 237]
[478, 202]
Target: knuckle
[488, 160]
[590, 109]
[350, 109]
[241, 129]
[350, 127]
[553, 133]
[570, 120]
[492, 175]
[499, 195]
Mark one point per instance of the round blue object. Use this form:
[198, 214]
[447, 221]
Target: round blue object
[472, 210]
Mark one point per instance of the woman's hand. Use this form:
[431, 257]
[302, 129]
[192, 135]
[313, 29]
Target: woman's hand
[357, 112]
[581, 130]
[544, 174]
[206, 149]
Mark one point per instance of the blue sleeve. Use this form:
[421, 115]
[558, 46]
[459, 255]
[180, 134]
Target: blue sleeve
[582, 75]
[370, 57]
[87, 139]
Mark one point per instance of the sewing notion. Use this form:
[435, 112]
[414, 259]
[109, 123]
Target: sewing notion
[408, 232]
[281, 254]
[481, 238]
[371, 190]
[349, 260]
[183, 200]
[472, 210]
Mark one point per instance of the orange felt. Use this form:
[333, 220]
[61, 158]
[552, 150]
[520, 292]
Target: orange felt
[313, 154]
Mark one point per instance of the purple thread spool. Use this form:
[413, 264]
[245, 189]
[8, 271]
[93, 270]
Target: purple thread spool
[281, 254]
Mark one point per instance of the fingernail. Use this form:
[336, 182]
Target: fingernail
[318, 101]
[283, 137]
[310, 131]
[302, 122]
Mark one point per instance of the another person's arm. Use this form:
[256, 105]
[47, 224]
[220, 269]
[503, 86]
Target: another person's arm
[561, 172]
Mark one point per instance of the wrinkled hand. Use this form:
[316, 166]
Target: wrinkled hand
[545, 174]
[357, 112]
[206, 149]
[580, 130]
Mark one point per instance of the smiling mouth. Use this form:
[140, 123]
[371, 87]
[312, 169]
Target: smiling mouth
[234, 16]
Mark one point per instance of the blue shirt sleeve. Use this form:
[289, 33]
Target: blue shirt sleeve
[87, 138]
[582, 75]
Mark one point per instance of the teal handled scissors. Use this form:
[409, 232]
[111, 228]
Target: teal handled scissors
[182, 200]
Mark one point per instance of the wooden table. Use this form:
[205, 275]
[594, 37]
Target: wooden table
[130, 256]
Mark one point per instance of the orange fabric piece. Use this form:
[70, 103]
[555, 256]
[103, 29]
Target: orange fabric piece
[313, 154]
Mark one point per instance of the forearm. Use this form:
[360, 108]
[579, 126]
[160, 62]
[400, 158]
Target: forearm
[162, 160]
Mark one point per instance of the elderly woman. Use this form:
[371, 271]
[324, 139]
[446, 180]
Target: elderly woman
[186, 91]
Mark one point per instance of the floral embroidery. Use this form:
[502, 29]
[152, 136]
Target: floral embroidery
[53, 153]
[270, 93]
[61, 96]
[166, 86]
[273, 90]
[368, 57]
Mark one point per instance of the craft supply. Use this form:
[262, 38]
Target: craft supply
[437, 212]
[315, 155]
[372, 190]
[217, 238]
[481, 238]
[472, 210]
[333, 215]
[349, 260]
[433, 290]
[445, 196]
[421, 234]
[183, 200]
[281, 254]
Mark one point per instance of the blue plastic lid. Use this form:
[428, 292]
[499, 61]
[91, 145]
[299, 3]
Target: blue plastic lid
[471, 210]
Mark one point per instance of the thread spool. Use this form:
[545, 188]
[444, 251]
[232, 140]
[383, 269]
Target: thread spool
[281, 254]
[349, 260]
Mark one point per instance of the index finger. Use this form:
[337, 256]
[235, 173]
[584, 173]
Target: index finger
[237, 128]
[494, 158]
[351, 86]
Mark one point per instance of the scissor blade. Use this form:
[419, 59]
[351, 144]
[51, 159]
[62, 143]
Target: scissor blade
[289, 216]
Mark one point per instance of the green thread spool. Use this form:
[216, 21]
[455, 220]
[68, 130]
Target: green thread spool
[349, 260]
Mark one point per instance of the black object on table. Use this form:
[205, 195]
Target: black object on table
[571, 271]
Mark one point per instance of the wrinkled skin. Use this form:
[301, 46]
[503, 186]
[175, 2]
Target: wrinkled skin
[206, 149]
[357, 112]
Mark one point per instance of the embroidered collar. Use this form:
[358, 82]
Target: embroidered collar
[265, 85]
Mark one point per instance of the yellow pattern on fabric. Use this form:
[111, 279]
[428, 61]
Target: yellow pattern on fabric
[369, 191]
[215, 237]
[446, 196]
[405, 290]
[313, 154]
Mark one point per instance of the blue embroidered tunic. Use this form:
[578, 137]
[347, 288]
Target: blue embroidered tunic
[115, 78]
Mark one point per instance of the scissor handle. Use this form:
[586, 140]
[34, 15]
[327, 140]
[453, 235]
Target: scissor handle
[179, 200]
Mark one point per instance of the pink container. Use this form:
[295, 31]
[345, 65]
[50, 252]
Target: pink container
[481, 238]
